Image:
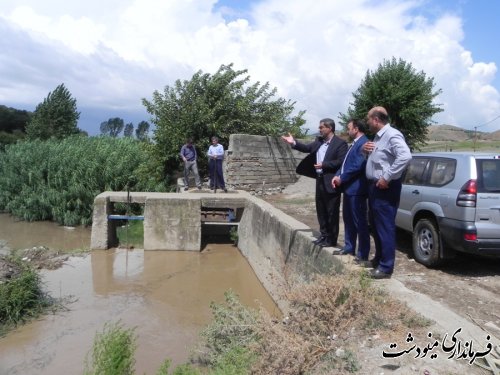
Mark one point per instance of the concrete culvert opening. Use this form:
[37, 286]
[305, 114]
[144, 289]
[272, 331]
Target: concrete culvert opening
[128, 224]
[220, 225]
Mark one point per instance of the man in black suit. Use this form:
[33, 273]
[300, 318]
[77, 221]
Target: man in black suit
[326, 155]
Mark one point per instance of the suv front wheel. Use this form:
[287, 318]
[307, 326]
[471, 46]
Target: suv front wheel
[426, 243]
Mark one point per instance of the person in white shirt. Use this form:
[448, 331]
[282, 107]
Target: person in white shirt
[215, 158]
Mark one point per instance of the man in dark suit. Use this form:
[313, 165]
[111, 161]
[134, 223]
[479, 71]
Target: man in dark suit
[325, 157]
[351, 180]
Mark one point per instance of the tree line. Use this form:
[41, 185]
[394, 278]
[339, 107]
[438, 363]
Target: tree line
[207, 105]
[57, 117]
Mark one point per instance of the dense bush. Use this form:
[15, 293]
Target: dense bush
[59, 179]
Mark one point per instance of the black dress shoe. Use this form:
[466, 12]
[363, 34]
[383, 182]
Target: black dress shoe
[318, 240]
[326, 243]
[378, 274]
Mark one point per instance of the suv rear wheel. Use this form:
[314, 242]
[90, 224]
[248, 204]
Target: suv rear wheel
[426, 243]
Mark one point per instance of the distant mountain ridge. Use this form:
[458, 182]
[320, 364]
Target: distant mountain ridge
[454, 133]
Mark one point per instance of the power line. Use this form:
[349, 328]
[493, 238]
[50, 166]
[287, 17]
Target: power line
[488, 122]
[478, 126]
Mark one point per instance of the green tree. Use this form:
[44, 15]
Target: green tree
[12, 119]
[56, 116]
[406, 94]
[129, 130]
[113, 127]
[141, 133]
[221, 104]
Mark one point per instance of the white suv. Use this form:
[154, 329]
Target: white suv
[450, 201]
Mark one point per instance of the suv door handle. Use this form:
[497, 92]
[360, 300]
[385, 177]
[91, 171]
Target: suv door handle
[415, 192]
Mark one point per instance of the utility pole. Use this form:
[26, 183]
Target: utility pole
[475, 137]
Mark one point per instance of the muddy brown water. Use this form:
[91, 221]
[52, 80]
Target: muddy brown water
[164, 295]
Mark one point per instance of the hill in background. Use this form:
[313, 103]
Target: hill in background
[448, 137]
[455, 133]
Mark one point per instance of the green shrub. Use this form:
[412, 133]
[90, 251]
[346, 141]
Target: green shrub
[112, 352]
[21, 296]
[233, 330]
[237, 361]
[59, 179]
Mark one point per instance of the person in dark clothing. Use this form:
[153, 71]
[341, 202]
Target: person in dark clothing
[326, 155]
[351, 180]
[189, 157]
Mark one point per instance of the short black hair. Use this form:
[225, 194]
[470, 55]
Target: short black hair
[357, 123]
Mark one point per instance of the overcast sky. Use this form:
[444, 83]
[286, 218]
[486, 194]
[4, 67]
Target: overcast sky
[112, 53]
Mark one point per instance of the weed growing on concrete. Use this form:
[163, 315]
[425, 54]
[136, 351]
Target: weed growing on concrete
[414, 320]
[300, 201]
[233, 235]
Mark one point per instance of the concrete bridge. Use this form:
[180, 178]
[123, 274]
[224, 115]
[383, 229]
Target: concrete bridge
[277, 246]
[172, 221]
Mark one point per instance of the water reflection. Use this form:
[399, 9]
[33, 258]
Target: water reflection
[165, 295]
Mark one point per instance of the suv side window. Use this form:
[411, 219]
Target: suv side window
[415, 171]
[442, 171]
[488, 175]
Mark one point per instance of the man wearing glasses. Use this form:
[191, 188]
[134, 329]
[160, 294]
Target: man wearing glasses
[326, 155]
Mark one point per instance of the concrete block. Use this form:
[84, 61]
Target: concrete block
[172, 224]
[103, 234]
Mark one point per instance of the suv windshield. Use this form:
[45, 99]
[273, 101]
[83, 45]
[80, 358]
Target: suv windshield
[488, 171]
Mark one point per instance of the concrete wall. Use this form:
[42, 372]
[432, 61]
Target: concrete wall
[279, 249]
[255, 162]
[172, 224]
[103, 235]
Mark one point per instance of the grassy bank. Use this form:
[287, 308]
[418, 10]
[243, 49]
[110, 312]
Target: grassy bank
[21, 294]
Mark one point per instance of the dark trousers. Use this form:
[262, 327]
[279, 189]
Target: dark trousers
[355, 215]
[327, 210]
[216, 174]
[384, 205]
